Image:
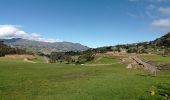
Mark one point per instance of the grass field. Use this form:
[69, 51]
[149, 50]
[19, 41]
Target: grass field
[156, 58]
[39, 81]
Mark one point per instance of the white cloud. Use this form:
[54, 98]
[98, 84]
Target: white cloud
[161, 25]
[159, 16]
[164, 10]
[14, 31]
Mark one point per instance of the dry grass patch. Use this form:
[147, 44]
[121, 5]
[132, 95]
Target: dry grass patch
[18, 57]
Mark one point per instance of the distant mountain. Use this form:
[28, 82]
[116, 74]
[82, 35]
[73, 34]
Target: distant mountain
[162, 41]
[44, 47]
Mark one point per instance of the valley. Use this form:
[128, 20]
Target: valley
[138, 71]
[106, 77]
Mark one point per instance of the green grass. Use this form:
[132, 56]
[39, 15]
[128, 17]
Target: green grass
[39, 59]
[40, 81]
[156, 58]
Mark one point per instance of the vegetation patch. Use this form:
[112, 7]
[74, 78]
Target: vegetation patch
[104, 60]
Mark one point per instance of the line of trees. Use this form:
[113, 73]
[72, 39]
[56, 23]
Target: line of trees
[4, 50]
[77, 57]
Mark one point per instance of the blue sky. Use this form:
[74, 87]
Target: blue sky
[93, 23]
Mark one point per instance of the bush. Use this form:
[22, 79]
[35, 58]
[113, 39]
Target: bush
[85, 58]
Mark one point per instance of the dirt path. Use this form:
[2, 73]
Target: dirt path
[152, 69]
[98, 59]
[46, 59]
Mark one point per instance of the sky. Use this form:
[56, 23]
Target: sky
[94, 23]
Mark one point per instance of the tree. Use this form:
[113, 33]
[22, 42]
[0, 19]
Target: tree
[132, 50]
[68, 59]
[4, 49]
[56, 56]
[85, 58]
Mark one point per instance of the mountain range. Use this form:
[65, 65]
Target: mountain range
[44, 47]
[47, 47]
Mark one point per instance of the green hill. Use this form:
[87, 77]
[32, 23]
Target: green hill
[163, 41]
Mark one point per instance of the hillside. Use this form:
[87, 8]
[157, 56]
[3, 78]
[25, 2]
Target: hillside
[155, 46]
[44, 47]
[163, 41]
[4, 49]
